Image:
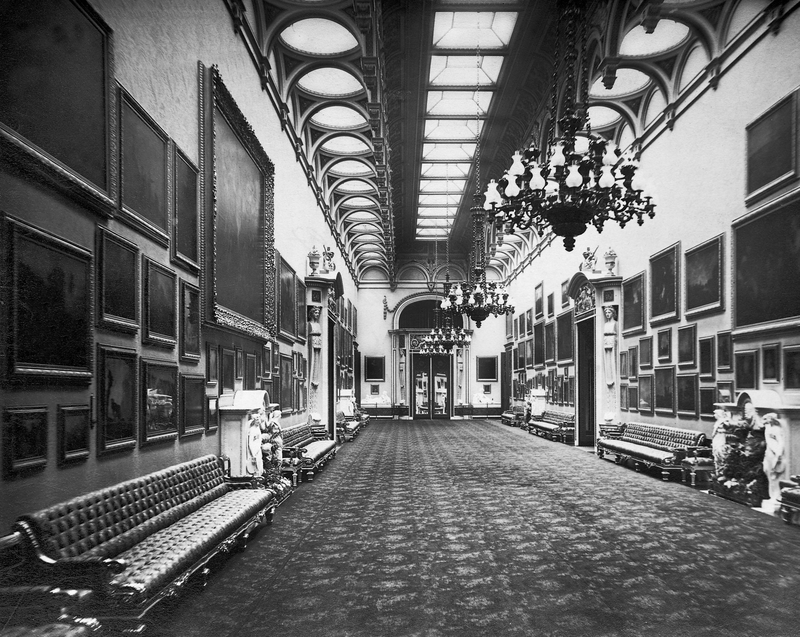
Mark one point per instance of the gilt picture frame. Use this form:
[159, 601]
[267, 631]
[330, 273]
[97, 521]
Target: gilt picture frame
[24, 439]
[665, 285]
[705, 270]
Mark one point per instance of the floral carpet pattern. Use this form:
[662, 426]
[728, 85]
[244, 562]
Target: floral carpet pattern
[471, 528]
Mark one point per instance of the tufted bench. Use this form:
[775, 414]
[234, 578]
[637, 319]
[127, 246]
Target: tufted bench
[554, 425]
[790, 499]
[514, 417]
[653, 446]
[305, 452]
[139, 541]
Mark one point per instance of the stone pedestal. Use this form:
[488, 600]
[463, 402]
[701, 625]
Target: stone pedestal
[318, 290]
[234, 417]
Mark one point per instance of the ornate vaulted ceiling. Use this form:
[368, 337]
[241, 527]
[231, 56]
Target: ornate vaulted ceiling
[391, 103]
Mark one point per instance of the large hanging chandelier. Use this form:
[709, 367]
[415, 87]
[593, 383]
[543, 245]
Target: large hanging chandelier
[583, 179]
[444, 340]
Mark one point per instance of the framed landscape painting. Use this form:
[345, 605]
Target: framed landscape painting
[704, 277]
[664, 285]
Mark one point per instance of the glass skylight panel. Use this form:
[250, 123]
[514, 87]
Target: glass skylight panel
[439, 200]
[345, 145]
[437, 213]
[329, 81]
[338, 117]
[468, 29]
[461, 70]
[458, 103]
[430, 235]
[448, 152]
[448, 171]
[318, 36]
[442, 185]
[667, 35]
[452, 129]
[433, 223]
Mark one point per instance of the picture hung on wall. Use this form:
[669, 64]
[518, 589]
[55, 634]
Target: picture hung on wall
[771, 143]
[633, 398]
[522, 325]
[704, 277]
[550, 342]
[687, 388]
[646, 394]
[287, 384]
[144, 185]
[633, 362]
[791, 368]
[276, 360]
[190, 322]
[529, 321]
[746, 371]
[185, 221]
[119, 286]
[708, 396]
[65, 118]
[565, 293]
[687, 345]
[725, 392]
[623, 364]
[73, 436]
[486, 368]
[288, 299]
[706, 348]
[212, 362]
[212, 414]
[551, 306]
[509, 326]
[538, 344]
[529, 353]
[633, 304]
[193, 405]
[117, 405]
[724, 352]
[664, 285]
[564, 330]
[49, 293]
[623, 397]
[646, 352]
[243, 290]
[302, 312]
[374, 369]
[159, 401]
[487, 389]
[664, 345]
[228, 370]
[516, 328]
[160, 294]
[665, 389]
[250, 371]
[24, 439]
[239, 363]
[538, 303]
[771, 362]
[767, 267]
[515, 358]
[266, 371]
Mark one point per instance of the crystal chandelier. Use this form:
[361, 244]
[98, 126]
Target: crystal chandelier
[584, 179]
[443, 340]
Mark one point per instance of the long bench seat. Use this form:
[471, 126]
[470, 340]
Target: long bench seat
[305, 453]
[514, 417]
[137, 542]
[653, 446]
[554, 425]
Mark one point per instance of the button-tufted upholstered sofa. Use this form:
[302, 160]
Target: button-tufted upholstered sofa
[652, 446]
[514, 417]
[554, 425]
[305, 453]
[136, 542]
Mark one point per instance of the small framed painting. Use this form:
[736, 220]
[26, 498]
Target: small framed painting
[539, 300]
[159, 401]
[791, 368]
[24, 439]
[725, 391]
[664, 345]
[212, 414]
[704, 272]
[706, 347]
[708, 396]
[623, 364]
[633, 398]
[724, 352]
[664, 287]
[160, 292]
[646, 352]
[633, 304]
[646, 394]
[686, 390]
[633, 362]
[771, 362]
[687, 345]
[73, 433]
[665, 389]
[746, 370]
[193, 405]
[190, 322]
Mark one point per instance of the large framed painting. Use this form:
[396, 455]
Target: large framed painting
[633, 304]
[550, 342]
[50, 307]
[646, 394]
[771, 148]
[24, 439]
[287, 384]
[538, 344]
[145, 171]
[302, 311]
[486, 369]
[664, 285]
[185, 244]
[73, 435]
[240, 229]
[287, 299]
[58, 97]
[724, 351]
[118, 283]
[706, 347]
[664, 389]
[687, 345]
[159, 394]
[117, 404]
[686, 391]
[193, 405]
[766, 267]
[564, 328]
[160, 295]
[190, 322]
[704, 277]
[746, 369]
[374, 369]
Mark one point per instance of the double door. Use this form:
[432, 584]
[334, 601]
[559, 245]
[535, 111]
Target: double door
[432, 395]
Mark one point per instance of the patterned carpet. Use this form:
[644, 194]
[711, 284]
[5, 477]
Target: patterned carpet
[472, 528]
